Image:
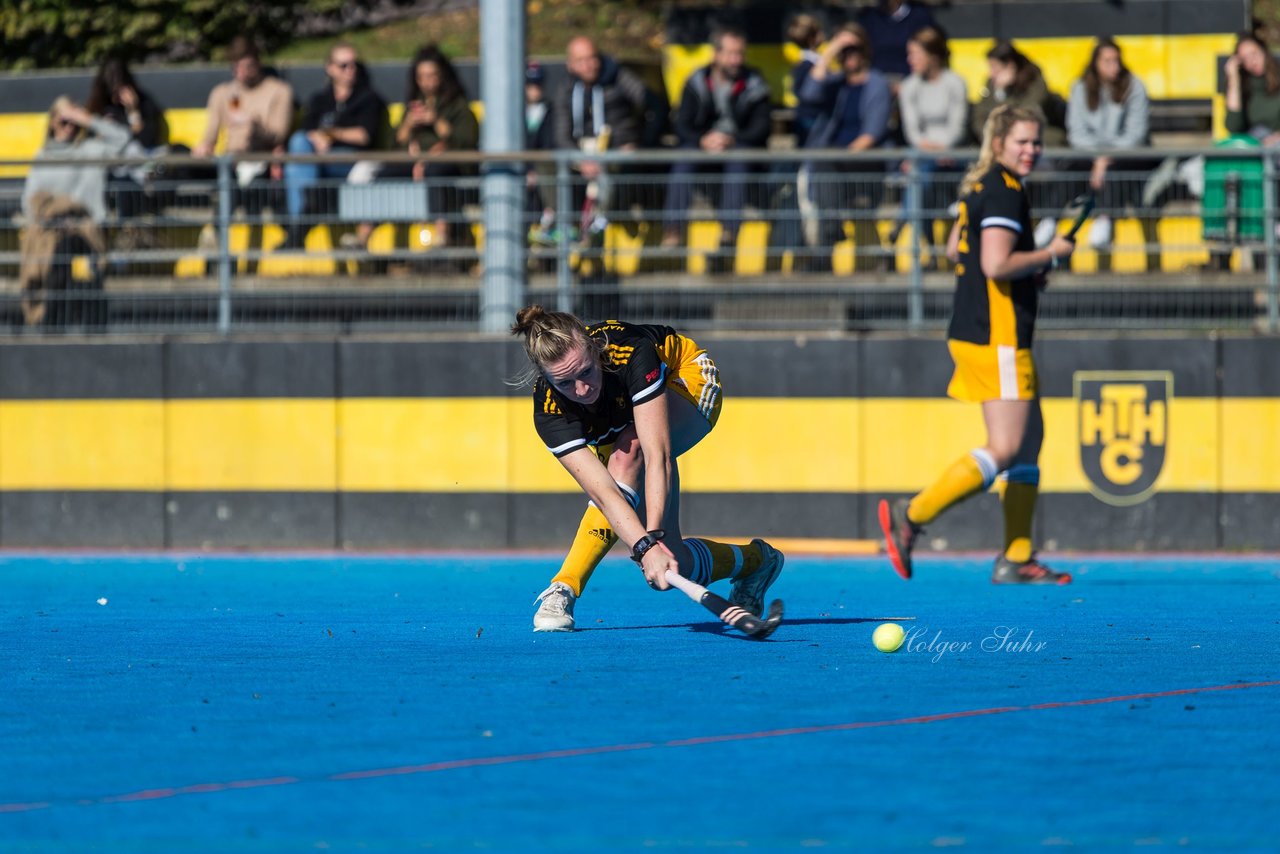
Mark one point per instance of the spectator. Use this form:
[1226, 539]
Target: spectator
[1015, 79]
[856, 103]
[890, 24]
[65, 207]
[1253, 90]
[539, 178]
[342, 118]
[75, 134]
[933, 105]
[115, 96]
[437, 119]
[1109, 109]
[600, 106]
[724, 106]
[255, 112]
[805, 32]
[794, 211]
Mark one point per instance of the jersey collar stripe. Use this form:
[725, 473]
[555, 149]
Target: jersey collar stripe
[567, 446]
[1002, 222]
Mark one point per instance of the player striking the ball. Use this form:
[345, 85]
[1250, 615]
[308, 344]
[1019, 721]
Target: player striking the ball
[617, 403]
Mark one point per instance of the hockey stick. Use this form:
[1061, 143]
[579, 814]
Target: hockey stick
[729, 614]
[1082, 205]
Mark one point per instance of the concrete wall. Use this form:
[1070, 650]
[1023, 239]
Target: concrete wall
[1152, 443]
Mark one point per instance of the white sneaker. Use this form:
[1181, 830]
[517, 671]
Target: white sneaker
[748, 593]
[1100, 232]
[1045, 230]
[555, 614]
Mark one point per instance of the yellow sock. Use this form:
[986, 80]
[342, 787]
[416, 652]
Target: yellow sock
[713, 561]
[1019, 504]
[592, 542]
[969, 474]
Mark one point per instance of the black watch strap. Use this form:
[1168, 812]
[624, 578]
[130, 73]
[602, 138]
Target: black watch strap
[648, 541]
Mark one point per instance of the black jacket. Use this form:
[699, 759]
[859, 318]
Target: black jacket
[752, 110]
[625, 98]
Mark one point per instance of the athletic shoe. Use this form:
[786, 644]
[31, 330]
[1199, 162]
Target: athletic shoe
[555, 614]
[1100, 232]
[1030, 572]
[899, 534]
[1045, 231]
[748, 593]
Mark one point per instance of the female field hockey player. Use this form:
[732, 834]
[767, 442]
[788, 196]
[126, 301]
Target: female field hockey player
[617, 403]
[999, 274]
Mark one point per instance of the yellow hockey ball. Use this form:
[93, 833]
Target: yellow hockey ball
[888, 637]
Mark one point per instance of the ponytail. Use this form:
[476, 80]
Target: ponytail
[548, 337]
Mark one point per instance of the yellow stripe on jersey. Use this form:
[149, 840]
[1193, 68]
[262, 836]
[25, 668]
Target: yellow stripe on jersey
[618, 354]
[1004, 323]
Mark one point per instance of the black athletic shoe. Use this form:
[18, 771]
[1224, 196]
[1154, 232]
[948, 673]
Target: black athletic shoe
[1030, 572]
[899, 534]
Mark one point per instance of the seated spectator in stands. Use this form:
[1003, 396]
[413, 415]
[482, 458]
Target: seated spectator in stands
[64, 207]
[856, 103]
[342, 118]
[933, 105]
[805, 32]
[796, 215]
[1015, 79]
[437, 119]
[74, 134]
[255, 112]
[1253, 90]
[724, 107]
[115, 95]
[890, 24]
[1109, 109]
[540, 187]
[600, 106]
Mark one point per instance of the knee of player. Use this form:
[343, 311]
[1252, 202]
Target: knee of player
[626, 463]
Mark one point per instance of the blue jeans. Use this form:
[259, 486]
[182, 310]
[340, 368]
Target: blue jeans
[299, 176]
[732, 194]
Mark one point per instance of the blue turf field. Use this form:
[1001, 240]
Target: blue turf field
[396, 703]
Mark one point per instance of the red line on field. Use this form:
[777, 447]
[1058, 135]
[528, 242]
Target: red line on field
[482, 761]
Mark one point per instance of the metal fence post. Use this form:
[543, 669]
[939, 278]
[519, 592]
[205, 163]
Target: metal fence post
[1269, 238]
[224, 244]
[915, 203]
[564, 202]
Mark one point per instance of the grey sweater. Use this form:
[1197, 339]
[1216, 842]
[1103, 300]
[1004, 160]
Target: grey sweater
[1112, 125]
[934, 110]
[85, 184]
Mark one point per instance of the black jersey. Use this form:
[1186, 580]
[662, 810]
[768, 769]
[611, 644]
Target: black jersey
[637, 360]
[993, 311]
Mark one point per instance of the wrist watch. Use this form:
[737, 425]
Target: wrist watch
[648, 541]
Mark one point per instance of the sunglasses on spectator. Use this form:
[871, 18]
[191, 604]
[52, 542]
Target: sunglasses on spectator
[344, 66]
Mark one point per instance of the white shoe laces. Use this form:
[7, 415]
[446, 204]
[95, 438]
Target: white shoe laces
[555, 598]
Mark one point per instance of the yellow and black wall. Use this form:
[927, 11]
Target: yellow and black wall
[1152, 443]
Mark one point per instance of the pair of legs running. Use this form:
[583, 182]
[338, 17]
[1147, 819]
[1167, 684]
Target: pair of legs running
[753, 567]
[1015, 432]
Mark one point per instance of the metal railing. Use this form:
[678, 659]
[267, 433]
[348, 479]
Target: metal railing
[769, 240]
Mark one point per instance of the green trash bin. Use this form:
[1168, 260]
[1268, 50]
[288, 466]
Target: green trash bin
[1232, 203]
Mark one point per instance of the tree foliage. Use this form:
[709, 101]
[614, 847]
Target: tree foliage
[72, 33]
